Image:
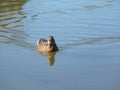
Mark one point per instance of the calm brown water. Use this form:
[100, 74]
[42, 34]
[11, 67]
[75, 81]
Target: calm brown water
[87, 33]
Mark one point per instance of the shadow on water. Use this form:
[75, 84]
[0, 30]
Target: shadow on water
[11, 25]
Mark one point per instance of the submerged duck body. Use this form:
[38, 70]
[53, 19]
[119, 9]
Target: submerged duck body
[49, 45]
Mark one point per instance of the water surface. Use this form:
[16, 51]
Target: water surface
[86, 32]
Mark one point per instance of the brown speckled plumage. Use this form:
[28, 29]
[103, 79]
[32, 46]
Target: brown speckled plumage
[47, 45]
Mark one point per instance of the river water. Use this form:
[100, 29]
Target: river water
[87, 33]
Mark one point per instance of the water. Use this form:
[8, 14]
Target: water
[86, 32]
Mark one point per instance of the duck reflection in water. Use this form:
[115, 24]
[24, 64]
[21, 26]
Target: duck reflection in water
[48, 48]
[50, 56]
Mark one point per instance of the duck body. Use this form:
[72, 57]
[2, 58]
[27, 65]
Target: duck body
[49, 45]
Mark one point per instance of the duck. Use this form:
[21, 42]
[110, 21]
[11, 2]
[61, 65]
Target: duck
[49, 45]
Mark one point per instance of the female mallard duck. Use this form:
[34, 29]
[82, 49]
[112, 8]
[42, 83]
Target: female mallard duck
[47, 45]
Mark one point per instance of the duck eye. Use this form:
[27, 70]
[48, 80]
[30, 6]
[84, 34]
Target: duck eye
[51, 44]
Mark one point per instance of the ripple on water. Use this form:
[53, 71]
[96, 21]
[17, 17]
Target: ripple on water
[73, 23]
[11, 22]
